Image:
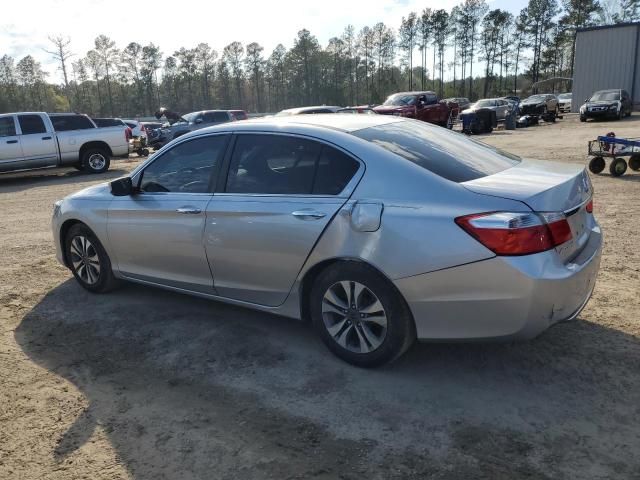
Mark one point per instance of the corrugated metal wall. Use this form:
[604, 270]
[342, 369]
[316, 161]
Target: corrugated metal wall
[606, 58]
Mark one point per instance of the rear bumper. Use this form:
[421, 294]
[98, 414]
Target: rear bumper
[502, 298]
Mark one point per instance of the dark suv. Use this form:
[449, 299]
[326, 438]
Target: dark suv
[614, 103]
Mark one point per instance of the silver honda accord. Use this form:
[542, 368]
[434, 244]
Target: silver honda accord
[378, 229]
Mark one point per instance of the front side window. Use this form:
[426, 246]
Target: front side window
[431, 99]
[189, 167]
[7, 127]
[30, 124]
[275, 164]
[400, 99]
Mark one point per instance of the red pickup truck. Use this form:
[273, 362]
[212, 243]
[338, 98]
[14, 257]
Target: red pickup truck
[423, 106]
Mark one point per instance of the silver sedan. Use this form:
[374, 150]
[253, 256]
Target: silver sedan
[378, 229]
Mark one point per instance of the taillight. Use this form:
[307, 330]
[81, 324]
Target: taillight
[589, 207]
[517, 233]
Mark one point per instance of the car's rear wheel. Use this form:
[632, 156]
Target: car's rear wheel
[583, 119]
[88, 260]
[621, 114]
[634, 162]
[617, 167]
[360, 315]
[95, 160]
[597, 164]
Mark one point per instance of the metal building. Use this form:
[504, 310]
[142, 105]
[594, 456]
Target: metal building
[606, 57]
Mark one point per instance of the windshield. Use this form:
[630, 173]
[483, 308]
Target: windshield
[447, 154]
[605, 97]
[536, 98]
[189, 117]
[485, 103]
[400, 99]
[564, 96]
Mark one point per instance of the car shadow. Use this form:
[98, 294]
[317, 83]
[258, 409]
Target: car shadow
[189, 388]
[19, 181]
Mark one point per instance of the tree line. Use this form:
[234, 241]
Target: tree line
[509, 52]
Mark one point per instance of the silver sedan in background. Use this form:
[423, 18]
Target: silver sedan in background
[378, 229]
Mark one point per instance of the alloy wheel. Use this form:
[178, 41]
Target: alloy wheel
[97, 161]
[354, 317]
[85, 260]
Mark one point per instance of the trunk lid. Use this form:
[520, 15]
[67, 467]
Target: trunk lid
[546, 187]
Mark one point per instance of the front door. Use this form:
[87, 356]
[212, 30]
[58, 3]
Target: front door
[281, 193]
[38, 145]
[10, 149]
[156, 234]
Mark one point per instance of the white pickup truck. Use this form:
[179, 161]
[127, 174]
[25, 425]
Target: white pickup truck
[31, 140]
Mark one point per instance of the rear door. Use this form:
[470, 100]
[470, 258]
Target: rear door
[10, 149]
[38, 144]
[280, 193]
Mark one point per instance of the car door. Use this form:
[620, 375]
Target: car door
[38, 145]
[156, 234]
[10, 149]
[280, 194]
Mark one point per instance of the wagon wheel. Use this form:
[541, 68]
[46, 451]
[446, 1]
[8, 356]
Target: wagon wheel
[617, 167]
[597, 164]
[634, 162]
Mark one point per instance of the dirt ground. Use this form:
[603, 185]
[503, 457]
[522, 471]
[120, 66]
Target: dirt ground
[144, 384]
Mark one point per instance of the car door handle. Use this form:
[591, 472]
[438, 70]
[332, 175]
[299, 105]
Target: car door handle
[46, 138]
[308, 214]
[12, 141]
[189, 210]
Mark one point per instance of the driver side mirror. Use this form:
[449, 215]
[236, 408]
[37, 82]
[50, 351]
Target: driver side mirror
[121, 187]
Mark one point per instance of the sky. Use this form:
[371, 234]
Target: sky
[26, 24]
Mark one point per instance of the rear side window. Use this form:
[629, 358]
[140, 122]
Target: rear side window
[62, 123]
[447, 154]
[272, 164]
[275, 164]
[7, 127]
[240, 115]
[30, 124]
[131, 125]
[431, 99]
[335, 170]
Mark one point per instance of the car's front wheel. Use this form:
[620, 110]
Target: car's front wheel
[88, 260]
[360, 315]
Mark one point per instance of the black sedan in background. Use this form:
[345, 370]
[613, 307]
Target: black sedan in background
[615, 103]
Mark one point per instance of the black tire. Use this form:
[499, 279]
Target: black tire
[145, 152]
[621, 114]
[617, 167]
[596, 165]
[95, 160]
[400, 331]
[583, 119]
[634, 162]
[82, 266]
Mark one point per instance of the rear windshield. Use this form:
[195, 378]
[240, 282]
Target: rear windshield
[448, 154]
[605, 96]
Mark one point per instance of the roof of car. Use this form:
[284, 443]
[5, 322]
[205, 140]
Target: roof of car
[608, 90]
[303, 109]
[337, 121]
[415, 92]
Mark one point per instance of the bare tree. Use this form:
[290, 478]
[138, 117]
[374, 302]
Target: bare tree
[62, 53]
